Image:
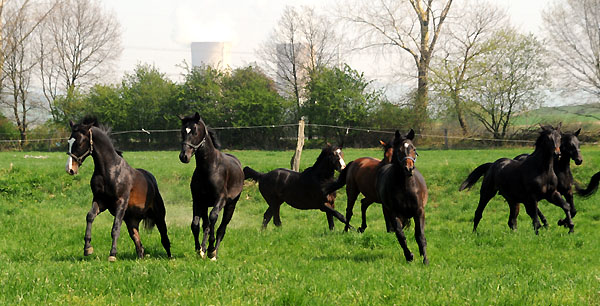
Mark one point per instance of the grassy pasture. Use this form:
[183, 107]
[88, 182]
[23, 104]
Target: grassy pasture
[42, 222]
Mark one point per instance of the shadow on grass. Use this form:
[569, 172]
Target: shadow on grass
[356, 257]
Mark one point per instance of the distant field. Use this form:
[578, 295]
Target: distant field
[583, 114]
[42, 222]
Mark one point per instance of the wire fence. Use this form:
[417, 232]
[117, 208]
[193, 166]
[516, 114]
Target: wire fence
[272, 137]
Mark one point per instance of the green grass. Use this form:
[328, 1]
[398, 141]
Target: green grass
[42, 222]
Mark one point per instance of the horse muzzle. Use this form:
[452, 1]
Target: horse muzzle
[184, 157]
[578, 161]
[72, 167]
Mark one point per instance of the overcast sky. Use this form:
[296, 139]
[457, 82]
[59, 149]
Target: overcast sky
[160, 32]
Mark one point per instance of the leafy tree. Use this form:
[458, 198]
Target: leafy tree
[201, 91]
[515, 72]
[106, 102]
[251, 98]
[338, 97]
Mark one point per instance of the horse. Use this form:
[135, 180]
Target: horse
[569, 149]
[217, 182]
[591, 188]
[129, 194]
[403, 192]
[524, 181]
[359, 177]
[301, 190]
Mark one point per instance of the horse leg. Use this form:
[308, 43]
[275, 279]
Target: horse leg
[328, 209]
[364, 204]
[352, 195]
[420, 235]
[330, 221]
[212, 221]
[401, 237]
[227, 214]
[205, 229]
[486, 193]
[134, 233]
[514, 213]
[161, 225]
[557, 200]
[276, 216]
[531, 208]
[267, 216]
[569, 198]
[91, 215]
[542, 217]
[386, 216]
[198, 210]
[116, 228]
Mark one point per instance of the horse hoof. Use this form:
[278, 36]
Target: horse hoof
[361, 230]
[425, 261]
[88, 251]
[213, 259]
[409, 257]
[213, 255]
[201, 253]
[112, 258]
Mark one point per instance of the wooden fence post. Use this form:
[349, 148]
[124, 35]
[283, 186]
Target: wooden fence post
[299, 145]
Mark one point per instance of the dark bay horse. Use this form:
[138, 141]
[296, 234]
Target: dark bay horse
[524, 181]
[129, 194]
[301, 190]
[217, 182]
[569, 150]
[403, 192]
[359, 177]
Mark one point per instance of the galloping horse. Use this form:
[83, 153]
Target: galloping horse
[569, 149]
[359, 177]
[301, 190]
[217, 182]
[523, 181]
[129, 194]
[403, 192]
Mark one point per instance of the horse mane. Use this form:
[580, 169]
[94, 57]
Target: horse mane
[93, 121]
[545, 131]
[213, 137]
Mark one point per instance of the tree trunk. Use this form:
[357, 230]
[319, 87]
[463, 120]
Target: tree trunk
[459, 112]
[421, 100]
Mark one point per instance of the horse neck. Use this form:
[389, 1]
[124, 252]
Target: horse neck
[207, 155]
[104, 153]
[563, 163]
[321, 169]
[544, 158]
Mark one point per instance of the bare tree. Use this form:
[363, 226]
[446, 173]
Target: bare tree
[301, 42]
[572, 28]
[467, 36]
[412, 26]
[80, 42]
[18, 63]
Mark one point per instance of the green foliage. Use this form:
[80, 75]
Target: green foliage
[7, 129]
[43, 210]
[201, 92]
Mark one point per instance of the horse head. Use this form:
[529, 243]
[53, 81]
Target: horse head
[80, 143]
[193, 136]
[404, 151]
[549, 139]
[570, 147]
[333, 156]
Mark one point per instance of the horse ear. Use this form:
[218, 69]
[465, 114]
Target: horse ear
[382, 143]
[71, 123]
[180, 117]
[411, 134]
[559, 126]
[196, 117]
[577, 132]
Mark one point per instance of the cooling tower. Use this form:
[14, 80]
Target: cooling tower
[215, 54]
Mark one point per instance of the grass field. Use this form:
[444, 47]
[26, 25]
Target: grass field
[42, 222]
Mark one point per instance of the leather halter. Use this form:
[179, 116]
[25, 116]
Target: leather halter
[79, 159]
[199, 145]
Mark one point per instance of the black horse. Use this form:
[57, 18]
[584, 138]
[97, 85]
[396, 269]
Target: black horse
[129, 194]
[569, 150]
[301, 190]
[403, 193]
[217, 182]
[525, 181]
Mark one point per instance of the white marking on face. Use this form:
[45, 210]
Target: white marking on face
[188, 130]
[342, 163]
[71, 141]
[406, 144]
[69, 165]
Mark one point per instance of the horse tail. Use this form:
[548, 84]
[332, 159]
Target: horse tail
[591, 188]
[158, 207]
[252, 174]
[474, 176]
[339, 183]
